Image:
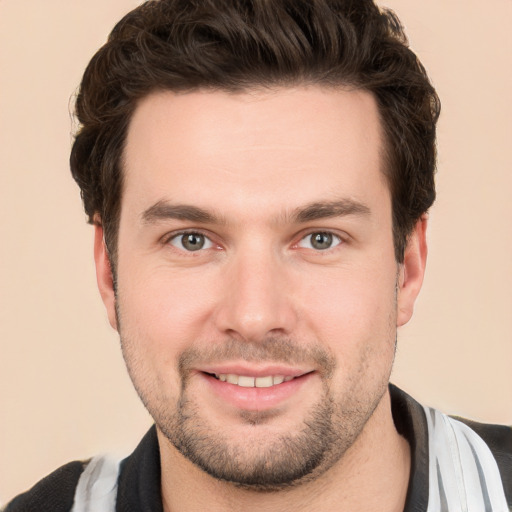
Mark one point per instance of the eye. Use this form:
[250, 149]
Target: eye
[320, 241]
[191, 242]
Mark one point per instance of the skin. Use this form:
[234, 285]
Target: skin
[259, 298]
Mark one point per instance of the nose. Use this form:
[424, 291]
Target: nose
[257, 297]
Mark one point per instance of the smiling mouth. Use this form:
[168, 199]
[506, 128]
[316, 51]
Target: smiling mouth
[245, 381]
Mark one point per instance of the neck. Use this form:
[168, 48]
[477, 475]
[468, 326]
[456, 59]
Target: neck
[372, 476]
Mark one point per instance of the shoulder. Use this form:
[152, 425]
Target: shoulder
[54, 492]
[454, 457]
[499, 440]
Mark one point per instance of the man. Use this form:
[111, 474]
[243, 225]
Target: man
[258, 175]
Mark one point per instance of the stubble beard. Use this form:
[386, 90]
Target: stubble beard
[261, 463]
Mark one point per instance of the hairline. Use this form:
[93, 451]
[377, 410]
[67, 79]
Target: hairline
[385, 152]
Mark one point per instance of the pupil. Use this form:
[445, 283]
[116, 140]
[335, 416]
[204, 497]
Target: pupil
[193, 242]
[321, 240]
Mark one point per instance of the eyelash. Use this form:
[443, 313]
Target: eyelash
[334, 239]
[175, 236]
[337, 239]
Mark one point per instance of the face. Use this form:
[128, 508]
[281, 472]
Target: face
[257, 291]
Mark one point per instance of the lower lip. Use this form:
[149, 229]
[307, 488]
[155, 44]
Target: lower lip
[255, 399]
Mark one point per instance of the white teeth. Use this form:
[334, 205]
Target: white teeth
[232, 379]
[251, 382]
[264, 382]
[246, 382]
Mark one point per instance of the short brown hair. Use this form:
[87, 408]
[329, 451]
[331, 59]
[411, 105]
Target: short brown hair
[236, 45]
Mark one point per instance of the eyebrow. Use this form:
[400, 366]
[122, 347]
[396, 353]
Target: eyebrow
[163, 210]
[329, 209]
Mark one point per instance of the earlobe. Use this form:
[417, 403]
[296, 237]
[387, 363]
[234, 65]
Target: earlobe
[104, 276]
[412, 271]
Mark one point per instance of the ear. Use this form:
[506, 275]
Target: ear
[104, 274]
[412, 271]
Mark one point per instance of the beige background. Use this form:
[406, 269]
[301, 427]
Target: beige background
[63, 389]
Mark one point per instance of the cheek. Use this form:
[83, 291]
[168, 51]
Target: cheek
[162, 309]
[155, 324]
[352, 308]
[356, 321]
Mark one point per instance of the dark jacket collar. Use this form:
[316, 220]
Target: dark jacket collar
[411, 423]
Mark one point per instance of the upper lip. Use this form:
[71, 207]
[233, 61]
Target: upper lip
[254, 371]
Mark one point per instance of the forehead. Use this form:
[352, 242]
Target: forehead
[245, 150]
